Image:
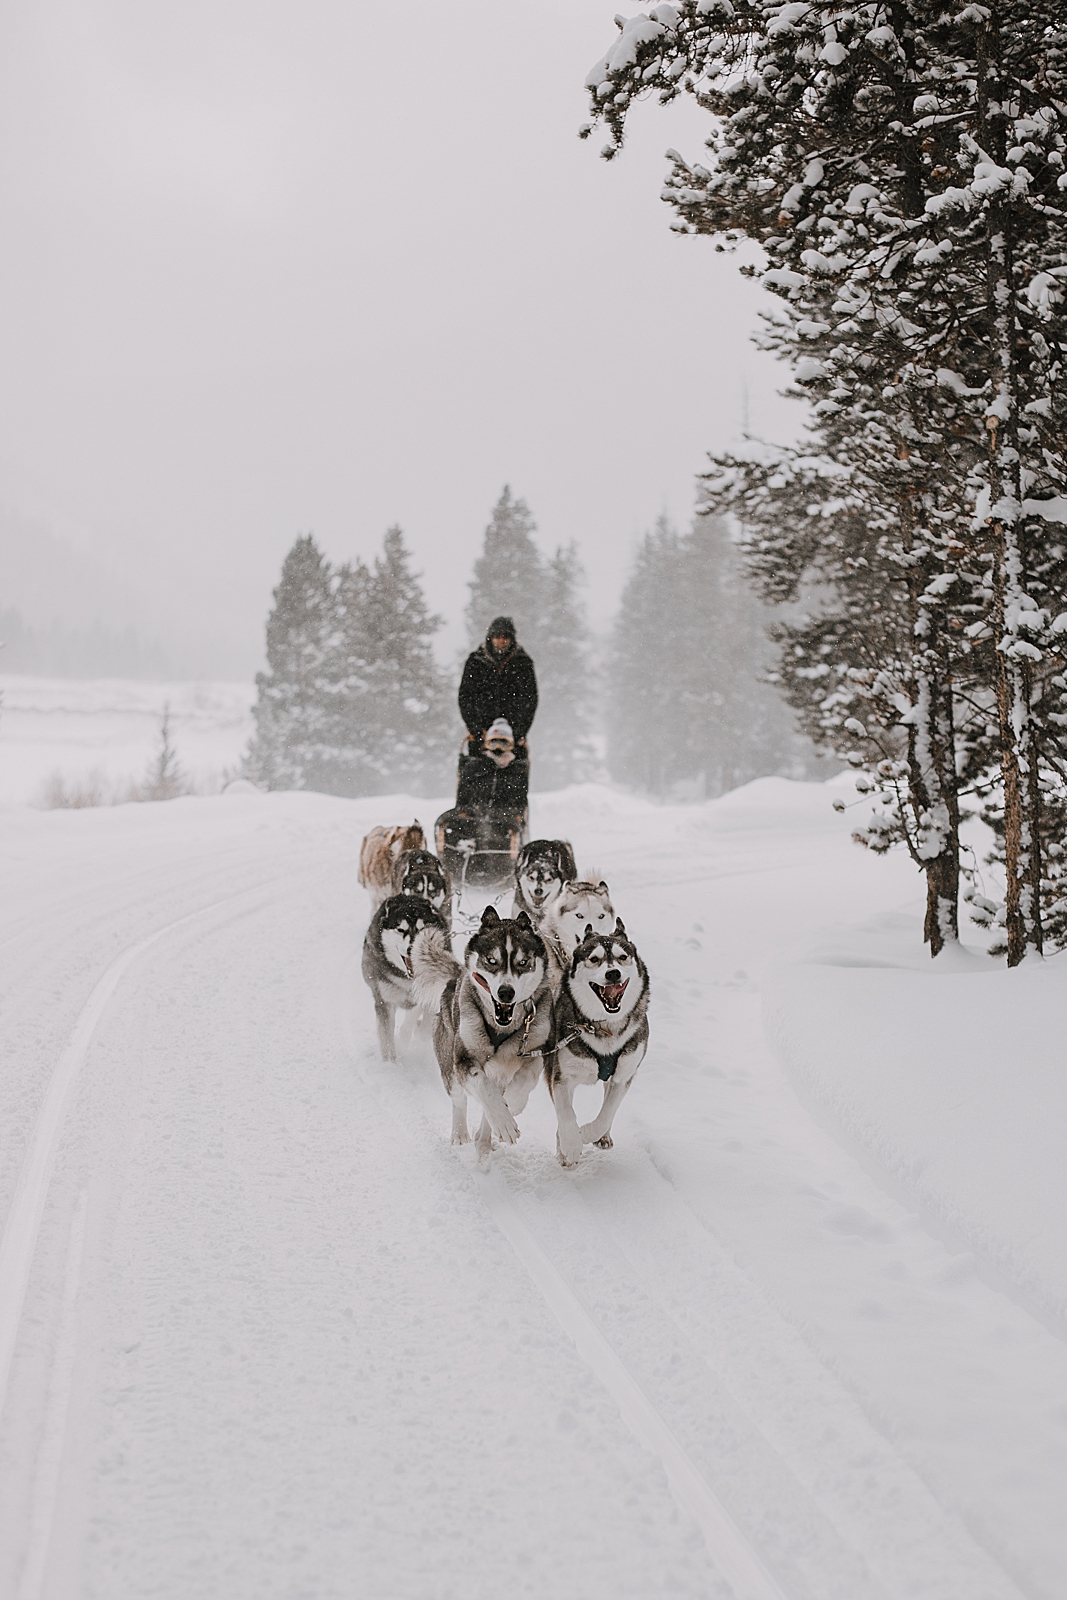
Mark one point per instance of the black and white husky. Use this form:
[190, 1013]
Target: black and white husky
[420, 872]
[602, 1034]
[542, 868]
[387, 959]
[494, 1024]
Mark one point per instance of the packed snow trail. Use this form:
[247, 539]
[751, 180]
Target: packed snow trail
[276, 1344]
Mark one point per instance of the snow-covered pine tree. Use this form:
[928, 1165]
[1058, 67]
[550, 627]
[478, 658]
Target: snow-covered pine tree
[353, 716]
[690, 651]
[737, 728]
[409, 731]
[566, 684]
[914, 261]
[294, 744]
[509, 576]
[644, 727]
[164, 779]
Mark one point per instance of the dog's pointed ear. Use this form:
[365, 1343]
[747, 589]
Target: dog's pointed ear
[523, 920]
[489, 917]
[620, 928]
[603, 885]
[588, 931]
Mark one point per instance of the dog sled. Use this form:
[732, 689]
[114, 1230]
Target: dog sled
[480, 837]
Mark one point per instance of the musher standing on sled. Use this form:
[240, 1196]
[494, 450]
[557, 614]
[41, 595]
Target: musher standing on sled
[497, 701]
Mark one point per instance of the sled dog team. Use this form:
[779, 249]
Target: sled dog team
[556, 989]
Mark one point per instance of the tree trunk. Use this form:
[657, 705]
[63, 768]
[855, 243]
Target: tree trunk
[1022, 906]
[933, 782]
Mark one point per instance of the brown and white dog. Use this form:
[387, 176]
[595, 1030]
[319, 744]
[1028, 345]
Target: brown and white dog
[378, 855]
[494, 1026]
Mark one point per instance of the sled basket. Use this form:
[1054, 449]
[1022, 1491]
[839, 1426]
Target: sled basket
[479, 850]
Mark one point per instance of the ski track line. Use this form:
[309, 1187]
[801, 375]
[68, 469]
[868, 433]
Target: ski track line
[27, 1207]
[50, 1457]
[729, 1550]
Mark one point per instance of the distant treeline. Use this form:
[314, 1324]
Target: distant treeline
[353, 701]
[93, 652]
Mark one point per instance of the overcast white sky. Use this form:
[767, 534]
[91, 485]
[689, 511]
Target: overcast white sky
[276, 267]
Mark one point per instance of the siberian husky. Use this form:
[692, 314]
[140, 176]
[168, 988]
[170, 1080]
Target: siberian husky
[378, 854]
[420, 872]
[387, 959]
[602, 1034]
[542, 868]
[494, 1024]
[583, 904]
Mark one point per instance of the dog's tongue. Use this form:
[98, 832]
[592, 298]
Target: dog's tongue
[613, 993]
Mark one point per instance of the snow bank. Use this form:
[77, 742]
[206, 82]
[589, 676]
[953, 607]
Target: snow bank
[955, 1081]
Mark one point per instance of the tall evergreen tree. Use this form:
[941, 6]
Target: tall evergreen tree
[354, 702]
[903, 167]
[293, 743]
[565, 752]
[508, 575]
[644, 728]
[412, 736]
[689, 703]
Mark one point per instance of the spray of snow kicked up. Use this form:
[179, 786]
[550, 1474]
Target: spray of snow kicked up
[268, 1334]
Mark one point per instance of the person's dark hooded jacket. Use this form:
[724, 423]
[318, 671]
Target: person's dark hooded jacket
[498, 684]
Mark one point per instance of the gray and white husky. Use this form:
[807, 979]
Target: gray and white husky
[585, 903]
[602, 1035]
[387, 964]
[420, 872]
[542, 868]
[494, 1024]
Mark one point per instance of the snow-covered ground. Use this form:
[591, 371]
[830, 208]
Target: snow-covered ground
[107, 730]
[801, 1333]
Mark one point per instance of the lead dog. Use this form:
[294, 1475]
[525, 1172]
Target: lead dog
[494, 1024]
[387, 966]
[420, 872]
[378, 854]
[602, 1034]
[579, 905]
[542, 868]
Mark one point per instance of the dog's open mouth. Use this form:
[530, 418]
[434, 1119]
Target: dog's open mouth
[408, 963]
[610, 994]
[504, 1009]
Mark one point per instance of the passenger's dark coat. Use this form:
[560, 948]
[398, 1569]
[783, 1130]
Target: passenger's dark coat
[498, 686]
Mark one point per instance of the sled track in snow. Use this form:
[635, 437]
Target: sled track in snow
[736, 1559]
[733, 1556]
[19, 1242]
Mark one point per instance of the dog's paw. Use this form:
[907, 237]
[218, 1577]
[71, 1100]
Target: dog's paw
[568, 1150]
[507, 1131]
[461, 1137]
[606, 1143]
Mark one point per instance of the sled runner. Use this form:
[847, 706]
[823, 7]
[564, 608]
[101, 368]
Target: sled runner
[480, 838]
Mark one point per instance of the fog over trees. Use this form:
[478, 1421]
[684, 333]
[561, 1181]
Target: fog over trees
[353, 701]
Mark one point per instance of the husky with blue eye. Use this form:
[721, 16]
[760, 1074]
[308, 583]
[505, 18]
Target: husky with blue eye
[387, 964]
[601, 1033]
[494, 1025]
[584, 903]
